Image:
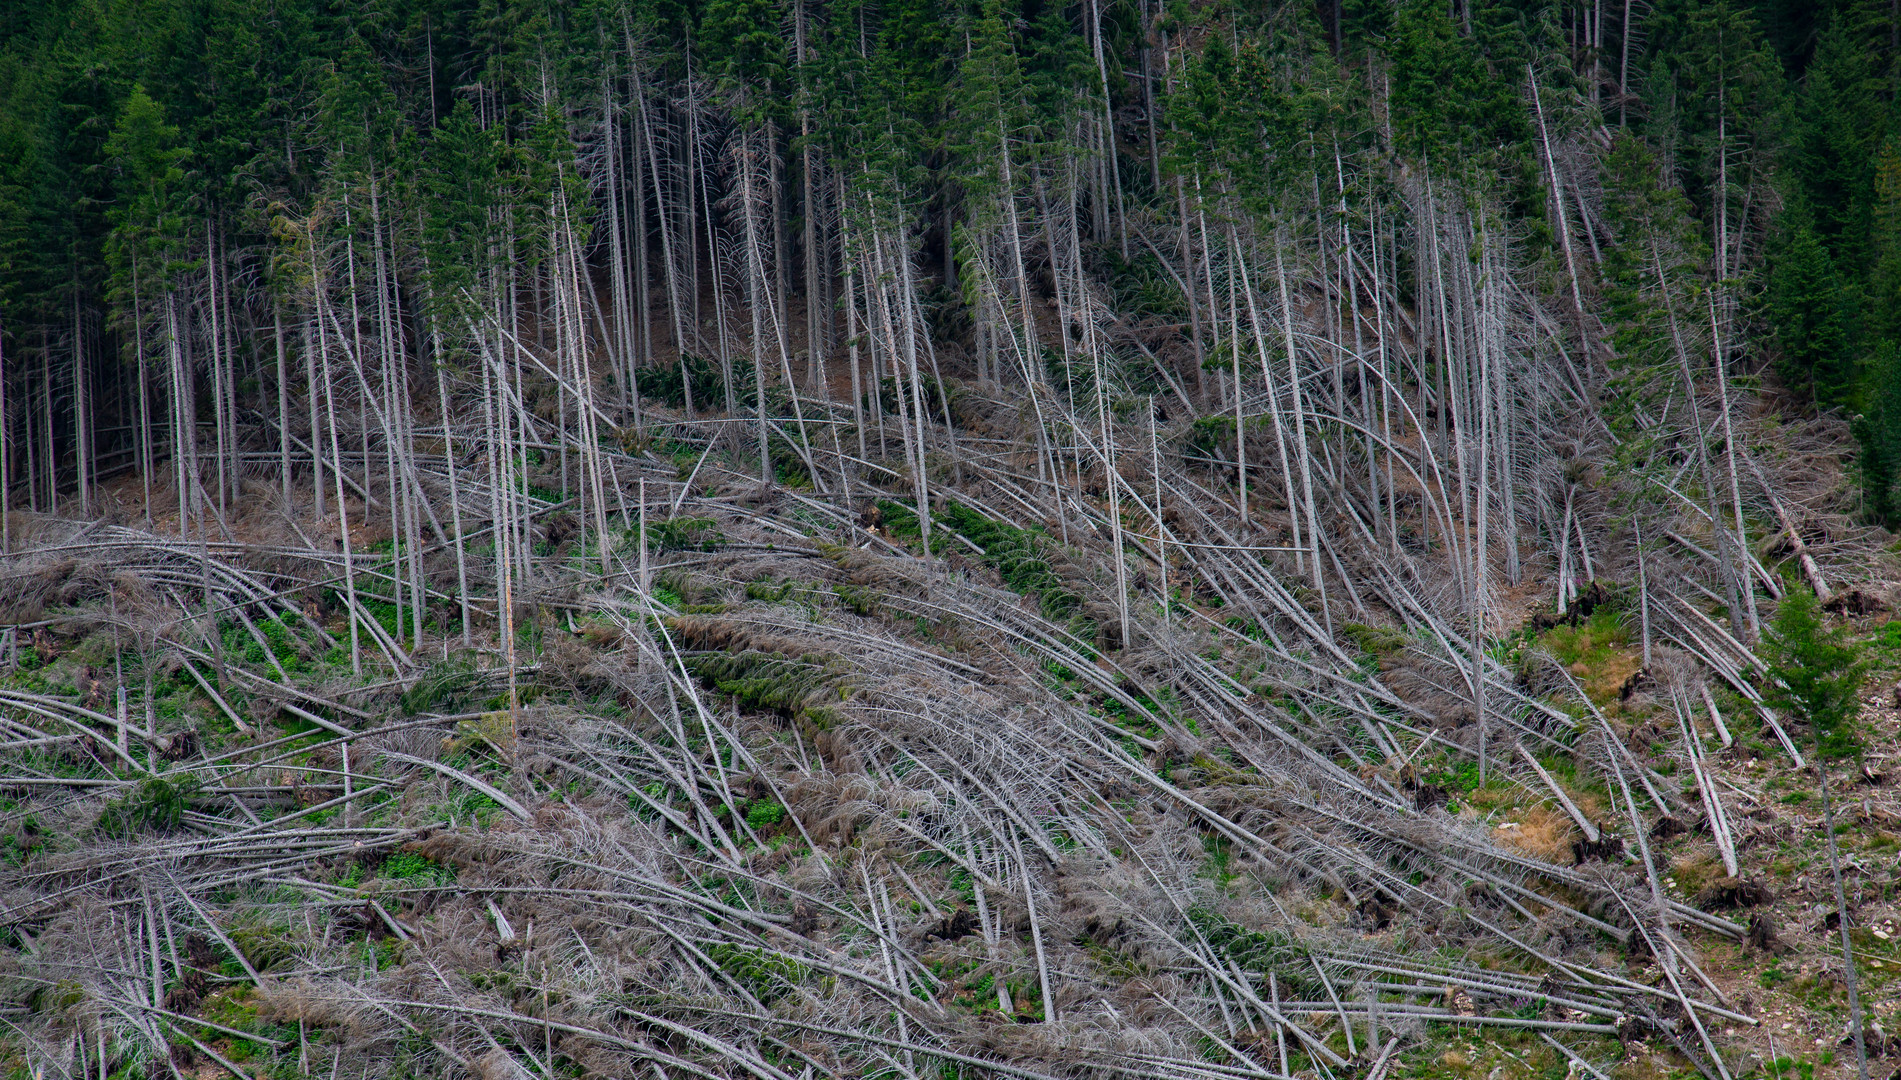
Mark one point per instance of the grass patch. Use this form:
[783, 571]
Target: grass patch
[1597, 652]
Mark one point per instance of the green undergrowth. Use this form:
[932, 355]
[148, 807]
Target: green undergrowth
[1599, 652]
[415, 869]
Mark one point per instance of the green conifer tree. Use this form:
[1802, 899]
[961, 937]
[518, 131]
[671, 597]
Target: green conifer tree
[1810, 312]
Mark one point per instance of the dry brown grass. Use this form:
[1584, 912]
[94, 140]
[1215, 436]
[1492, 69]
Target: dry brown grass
[1542, 832]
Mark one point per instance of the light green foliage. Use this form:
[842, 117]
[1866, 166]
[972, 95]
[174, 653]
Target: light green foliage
[762, 814]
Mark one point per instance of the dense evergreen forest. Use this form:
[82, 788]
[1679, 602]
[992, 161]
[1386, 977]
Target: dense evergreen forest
[1126, 538]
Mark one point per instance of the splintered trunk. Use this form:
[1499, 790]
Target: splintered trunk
[814, 339]
[1112, 478]
[1729, 457]
[874, 382]
[1481, 553]
[781, 310]
[634, 221]
[619, 343]
[397, 485]
[689, 208]
[912, 437]
[501, 508]
[184, 448]
[1015, 233]
[713, 262]
[914, 330]
[571, 281]
[1557, 204]
[1029, 354]
[1108, 123]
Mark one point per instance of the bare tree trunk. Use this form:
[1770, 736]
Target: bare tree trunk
[455, 496]
[310, 399]
[1237, 270]
[814, 340]
[1729, 457]
[1849, 972]
[668, 255]
[283, 405]
[851, 337]
[1188, 292]
[1735, 576]
[343, 509]
[755, 285]
[1108, 123]
[215, 340]
[1300, 429]
[144, 392]
[6, 440]
[82, 412]
[1557, 205]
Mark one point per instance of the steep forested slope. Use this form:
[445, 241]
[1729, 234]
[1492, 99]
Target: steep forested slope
[996, 539]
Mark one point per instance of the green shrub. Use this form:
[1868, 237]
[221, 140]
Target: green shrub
[763, 814]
